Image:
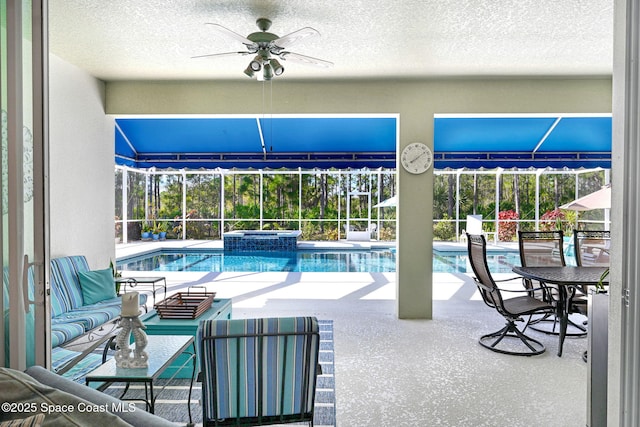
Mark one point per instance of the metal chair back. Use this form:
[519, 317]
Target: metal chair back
[592, 247]
[258, 371]
[477, 249]
[541, 248]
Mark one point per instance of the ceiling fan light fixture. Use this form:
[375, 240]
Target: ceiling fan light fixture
[255, 65]
[249, 72]
[267, 72]
[278, 69]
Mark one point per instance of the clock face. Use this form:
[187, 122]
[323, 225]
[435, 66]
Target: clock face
[416, 158]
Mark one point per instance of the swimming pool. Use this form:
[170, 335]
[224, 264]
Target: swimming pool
[373, 261]
[376, 261]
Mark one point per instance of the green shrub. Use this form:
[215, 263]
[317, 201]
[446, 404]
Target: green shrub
[444, 230]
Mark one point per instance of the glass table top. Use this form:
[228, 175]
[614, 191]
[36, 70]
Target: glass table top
[161, 349]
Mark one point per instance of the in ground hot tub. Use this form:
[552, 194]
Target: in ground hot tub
[261, 240]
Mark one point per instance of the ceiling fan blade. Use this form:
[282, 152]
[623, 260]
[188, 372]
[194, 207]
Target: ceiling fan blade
[215, 55]
[303, 59]
[227, 32]
[295, 37]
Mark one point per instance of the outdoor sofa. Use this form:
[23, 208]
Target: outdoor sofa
[84, 308]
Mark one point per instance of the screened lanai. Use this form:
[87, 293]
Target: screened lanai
[325, 174]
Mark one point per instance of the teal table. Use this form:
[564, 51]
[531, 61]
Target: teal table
[154, 325]
[163, 353]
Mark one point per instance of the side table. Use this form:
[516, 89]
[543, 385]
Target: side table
[134, 282]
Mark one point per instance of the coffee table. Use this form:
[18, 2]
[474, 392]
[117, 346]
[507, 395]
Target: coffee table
[163, 352]
[154, 325]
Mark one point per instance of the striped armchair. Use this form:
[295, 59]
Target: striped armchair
[258, 371]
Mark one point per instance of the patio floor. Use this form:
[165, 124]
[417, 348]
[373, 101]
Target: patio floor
[393, 372]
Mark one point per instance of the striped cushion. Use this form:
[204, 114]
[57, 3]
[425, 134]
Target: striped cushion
[263, 376]
[63, 332]
[60, 303]
[64, 273]
[90, 316]
[60, 357]
[30, 421]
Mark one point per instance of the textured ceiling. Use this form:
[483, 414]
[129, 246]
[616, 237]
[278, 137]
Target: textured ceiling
[155, 39]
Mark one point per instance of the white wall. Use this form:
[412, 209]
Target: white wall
[81, 151]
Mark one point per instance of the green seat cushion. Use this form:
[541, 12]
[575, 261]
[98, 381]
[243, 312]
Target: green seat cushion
[97, 285]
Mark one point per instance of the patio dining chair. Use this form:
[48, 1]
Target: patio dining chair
[592, 247]
[541, 249]
[546, 249]
[258, 371]
[591, 250]
[509, 339]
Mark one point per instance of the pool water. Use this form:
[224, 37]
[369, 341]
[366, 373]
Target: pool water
[458, 262]
[373, 261]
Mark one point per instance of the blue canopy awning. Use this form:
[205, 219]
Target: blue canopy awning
[471, 141]
[252, 142]
[522, 141]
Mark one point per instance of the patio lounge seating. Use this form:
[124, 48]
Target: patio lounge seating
[509, 339]
[258, 371]
[474, 226]
[363, 236]
[77, 317]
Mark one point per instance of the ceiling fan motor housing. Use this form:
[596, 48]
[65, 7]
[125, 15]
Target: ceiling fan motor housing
[262, 38]
[263, 23]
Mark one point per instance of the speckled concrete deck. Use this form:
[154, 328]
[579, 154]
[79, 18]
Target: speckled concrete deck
[396, 373]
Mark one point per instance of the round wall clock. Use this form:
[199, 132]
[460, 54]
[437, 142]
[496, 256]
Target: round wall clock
[416, 158]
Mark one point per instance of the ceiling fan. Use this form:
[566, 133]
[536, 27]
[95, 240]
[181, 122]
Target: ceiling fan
[268, 47]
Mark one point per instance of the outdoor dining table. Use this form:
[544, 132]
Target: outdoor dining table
[566, 279]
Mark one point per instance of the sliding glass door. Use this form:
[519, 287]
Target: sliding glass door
[23, 328]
